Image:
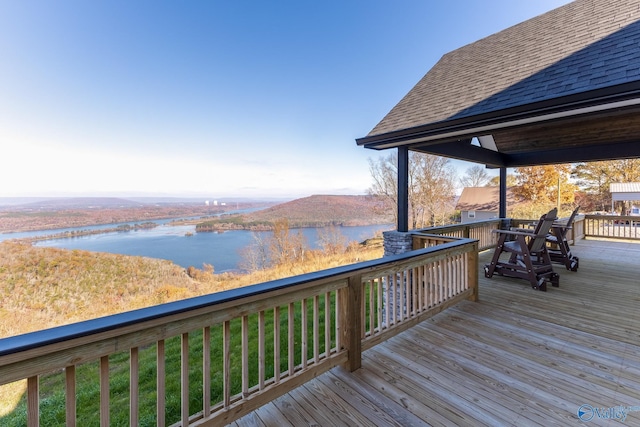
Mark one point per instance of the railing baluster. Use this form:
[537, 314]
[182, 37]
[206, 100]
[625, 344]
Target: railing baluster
[276, 344]
[133, 386]
[339, 321]
[291, 338]
[437, 284]
[327, 324]
[226, 363]
[245, 356]
[70, 395]
[379, 302]
[316, 329]
[104, 391]
[425, 287]
[206, 371]
[303, 333]
[160, 384]
[460, 272]
[403, 294]
[414, 291]
[452, 276]
[421, 289]
[33, 402]
[261, 333]
[459, 269]
[448, 278]
[387, 302]
[372, 311]
[465, 260]
[409, 277]
[184, 378]
[394, 287]
[444, 287]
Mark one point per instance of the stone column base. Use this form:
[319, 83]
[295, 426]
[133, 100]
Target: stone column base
[396, 242]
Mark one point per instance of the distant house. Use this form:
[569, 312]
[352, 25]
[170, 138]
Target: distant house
[480, 203]
[625, 192]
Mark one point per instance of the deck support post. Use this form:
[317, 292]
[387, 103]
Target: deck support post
[472, 268]
[351, 317]
[403, 189]
[503, 193]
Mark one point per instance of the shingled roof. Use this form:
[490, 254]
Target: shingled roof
[563, 86]
[624, 191]
[485, 199]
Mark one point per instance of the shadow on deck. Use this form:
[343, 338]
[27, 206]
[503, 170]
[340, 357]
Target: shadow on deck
[517, 357]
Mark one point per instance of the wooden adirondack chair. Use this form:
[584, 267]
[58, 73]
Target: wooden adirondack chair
[528, 255]
[557, 245]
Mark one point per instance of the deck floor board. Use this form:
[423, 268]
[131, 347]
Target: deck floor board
[517, 357]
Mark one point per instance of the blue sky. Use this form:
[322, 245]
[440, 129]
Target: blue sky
[215, 98]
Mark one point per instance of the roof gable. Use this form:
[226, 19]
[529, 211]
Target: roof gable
[559, 88]
[578, 47]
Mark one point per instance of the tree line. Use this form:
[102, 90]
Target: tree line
[433, 183]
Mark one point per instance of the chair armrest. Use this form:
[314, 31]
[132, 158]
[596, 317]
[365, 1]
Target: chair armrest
[563, 226]
[522, 230]
[517, 233]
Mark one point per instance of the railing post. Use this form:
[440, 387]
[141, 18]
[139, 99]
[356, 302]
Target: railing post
[472, 268]
[350, 314]
[33, 402]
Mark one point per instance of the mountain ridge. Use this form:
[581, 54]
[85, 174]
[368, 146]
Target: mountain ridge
[311, 211]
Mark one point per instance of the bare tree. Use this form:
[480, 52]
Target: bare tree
[435, 190]
[332, 241]
[284, 247]
[475, 176]
[431, 186]
[384, 172]
[255, 257]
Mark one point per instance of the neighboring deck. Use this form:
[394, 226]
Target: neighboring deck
[517, 357]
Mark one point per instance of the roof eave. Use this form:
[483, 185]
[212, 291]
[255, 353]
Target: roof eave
[617, 97]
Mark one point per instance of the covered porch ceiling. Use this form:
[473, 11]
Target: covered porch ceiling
[562, 87]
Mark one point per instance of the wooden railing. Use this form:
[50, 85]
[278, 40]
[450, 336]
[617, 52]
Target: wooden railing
[482, 231]
[576, 232]
[212, 359]
[612, 226]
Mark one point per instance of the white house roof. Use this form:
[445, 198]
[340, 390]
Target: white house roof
[624, 191]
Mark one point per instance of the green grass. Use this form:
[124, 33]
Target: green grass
[52, 406]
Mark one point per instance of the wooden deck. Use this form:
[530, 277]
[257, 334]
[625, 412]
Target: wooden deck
[517, 357]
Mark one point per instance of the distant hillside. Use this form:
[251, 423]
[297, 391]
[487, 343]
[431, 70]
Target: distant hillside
[62, 203]
[61, 213]
[313, 211]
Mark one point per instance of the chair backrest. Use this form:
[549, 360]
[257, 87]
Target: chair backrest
[561, 232]
[573, 216]
[542, 229]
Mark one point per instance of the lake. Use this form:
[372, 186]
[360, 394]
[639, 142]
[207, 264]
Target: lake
[222, 250]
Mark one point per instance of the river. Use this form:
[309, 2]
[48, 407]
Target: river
[181, 244]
